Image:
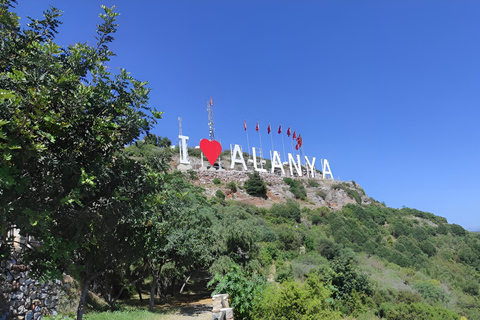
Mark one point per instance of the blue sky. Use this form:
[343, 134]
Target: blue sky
[387, 91]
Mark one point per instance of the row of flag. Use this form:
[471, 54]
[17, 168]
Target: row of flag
[298, 138]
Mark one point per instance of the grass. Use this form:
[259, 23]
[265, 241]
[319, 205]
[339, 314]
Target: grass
[123, 315]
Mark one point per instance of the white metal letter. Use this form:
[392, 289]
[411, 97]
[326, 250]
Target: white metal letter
[255, 162]
[326, 169]
[240, 160]
[183, 149]
[292, 164]
[276, 163]
[310, 166]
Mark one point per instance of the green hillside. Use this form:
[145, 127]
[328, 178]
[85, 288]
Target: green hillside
[363, 261]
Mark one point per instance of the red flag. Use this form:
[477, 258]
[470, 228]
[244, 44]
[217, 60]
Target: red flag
[294, 135]
[245, 125]
[300, 141]
[269, 129]
[280, 129]
[296, 147]
[288, 132]
[211, 102]
[256, 128]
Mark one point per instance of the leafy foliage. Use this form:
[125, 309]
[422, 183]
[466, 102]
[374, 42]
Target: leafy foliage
[297, 188]
[255, 186]
[295, 300]
[244, 290]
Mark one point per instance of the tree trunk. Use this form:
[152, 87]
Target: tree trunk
[139, 290]
[152, 292]
[81, 303]
[186, 280]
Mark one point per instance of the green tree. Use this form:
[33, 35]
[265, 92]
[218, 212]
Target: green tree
[63, 121]
[255, 186]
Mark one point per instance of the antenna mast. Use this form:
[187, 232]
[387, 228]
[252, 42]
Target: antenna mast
[211, 124]
[179, 126]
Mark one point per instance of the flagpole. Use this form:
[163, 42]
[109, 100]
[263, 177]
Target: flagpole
[261, 148]
[283, 144]
[271, 137]
[293, 151]
[248, 143]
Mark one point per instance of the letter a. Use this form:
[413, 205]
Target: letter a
[276, 163]
[326, 169]
[236, 150]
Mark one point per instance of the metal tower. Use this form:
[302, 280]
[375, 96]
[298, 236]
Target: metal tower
[180, 126]
[211, 124]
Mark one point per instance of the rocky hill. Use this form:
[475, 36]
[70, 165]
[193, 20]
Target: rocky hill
[333, 194]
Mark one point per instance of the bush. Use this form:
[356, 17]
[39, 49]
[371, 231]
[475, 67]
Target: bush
[312, 183]
[457, 230]
[289, 210]
[255, 186]
[244, 290]
[216, 181]
[297, 188]
[431, 291]
[321, 194]
[295, 300]
[350, 192]
[415, 311]
[220, 195]
[232, 186]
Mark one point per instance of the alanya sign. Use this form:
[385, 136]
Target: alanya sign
[212, 150]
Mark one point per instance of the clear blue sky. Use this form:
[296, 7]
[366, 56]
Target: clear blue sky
[387, 91]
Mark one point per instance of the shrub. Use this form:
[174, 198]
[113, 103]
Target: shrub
[431, 291]
[312, 183]
[321, 194]
[220, 195]
[350, 192]
[232, 186]
[243, 289]
[255, 186]
[316, 218]
[295, 300]
[216, 181]
[457, 230]
[289, 210]
[297, 188]
[415, 311]
[428, 248]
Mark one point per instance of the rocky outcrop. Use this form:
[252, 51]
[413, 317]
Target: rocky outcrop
[320, 192]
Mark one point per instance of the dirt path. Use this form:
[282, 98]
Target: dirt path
[195, 305]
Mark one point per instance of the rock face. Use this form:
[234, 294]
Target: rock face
[22, 297]
[320, 192]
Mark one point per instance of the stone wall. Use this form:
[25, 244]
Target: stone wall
[24, 298]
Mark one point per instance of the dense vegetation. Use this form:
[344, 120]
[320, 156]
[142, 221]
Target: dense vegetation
[120, 220]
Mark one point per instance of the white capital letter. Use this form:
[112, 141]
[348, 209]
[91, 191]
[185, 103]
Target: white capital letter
[183, 149]
[326, 169]
[255, 162]
[292, 164]
[240, 160]
[311, 166]
[276, 163]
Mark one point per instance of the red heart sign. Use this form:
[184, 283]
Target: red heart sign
[211, 149]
